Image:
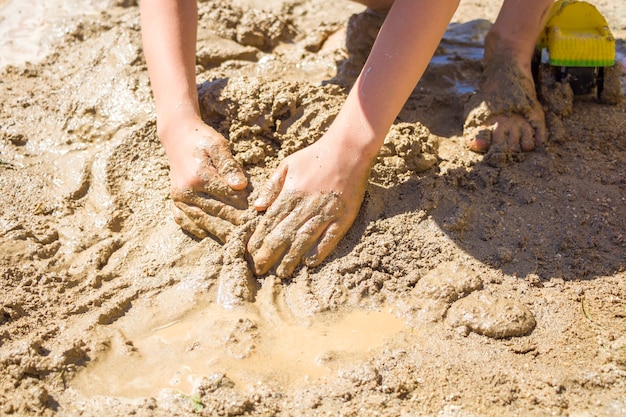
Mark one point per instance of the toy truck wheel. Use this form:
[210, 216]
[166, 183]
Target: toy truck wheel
[581, 79]
[609, 87]
[535, 62]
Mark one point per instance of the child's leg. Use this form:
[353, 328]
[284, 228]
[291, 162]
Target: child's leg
[505, 112]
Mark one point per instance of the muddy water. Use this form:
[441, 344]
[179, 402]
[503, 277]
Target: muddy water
[28, 28]
[152, 350]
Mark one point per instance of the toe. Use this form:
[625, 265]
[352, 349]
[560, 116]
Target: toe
[504, 137]
[527, 138]
[478, 140]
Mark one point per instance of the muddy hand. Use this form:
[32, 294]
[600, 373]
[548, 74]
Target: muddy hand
[297, 227]
[208, 185]
[309, 209]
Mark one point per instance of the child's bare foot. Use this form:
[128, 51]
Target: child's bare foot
[504, 114]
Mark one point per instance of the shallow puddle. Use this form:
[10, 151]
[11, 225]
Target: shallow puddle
[29, 27]
[248, 345]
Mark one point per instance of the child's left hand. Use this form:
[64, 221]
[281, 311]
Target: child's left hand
[312, 200]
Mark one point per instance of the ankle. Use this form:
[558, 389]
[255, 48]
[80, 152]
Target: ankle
[498, 46]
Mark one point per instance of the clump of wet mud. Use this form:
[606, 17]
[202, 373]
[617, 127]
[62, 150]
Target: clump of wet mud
[490, 280]
[253, 27]
[266, 119]
[491, 316]
[409, 148]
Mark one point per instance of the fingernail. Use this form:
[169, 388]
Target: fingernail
[260, 268]
[260, 204]
[237, 181]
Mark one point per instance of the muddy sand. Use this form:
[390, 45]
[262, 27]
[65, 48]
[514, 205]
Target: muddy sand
[469, 285]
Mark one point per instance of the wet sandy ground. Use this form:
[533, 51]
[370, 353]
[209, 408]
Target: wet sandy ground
[468, 286]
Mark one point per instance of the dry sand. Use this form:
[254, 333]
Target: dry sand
[468, 286]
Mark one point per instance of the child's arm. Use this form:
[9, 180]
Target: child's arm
[315, 194]
[201, 163]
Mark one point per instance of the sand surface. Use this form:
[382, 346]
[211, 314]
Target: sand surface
[468, 285]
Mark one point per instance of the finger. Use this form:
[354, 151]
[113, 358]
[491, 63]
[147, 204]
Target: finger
[215, 187]
[187, 225]
[279, 228]
[208, 205]
[271, 220]
[215, 226]
[227, 167]
[267, 255]
[305, 239]
[271, 189]
[327, 243]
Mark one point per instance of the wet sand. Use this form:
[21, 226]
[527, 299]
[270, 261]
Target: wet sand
[467, 286]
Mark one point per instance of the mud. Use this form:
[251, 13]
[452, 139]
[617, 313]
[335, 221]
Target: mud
[464, 288]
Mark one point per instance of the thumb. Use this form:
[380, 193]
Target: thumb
[227, 167]
[271, 189]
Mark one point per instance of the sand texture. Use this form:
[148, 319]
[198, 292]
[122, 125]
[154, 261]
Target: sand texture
[469, 285]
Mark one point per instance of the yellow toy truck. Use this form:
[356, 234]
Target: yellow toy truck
[577, 47]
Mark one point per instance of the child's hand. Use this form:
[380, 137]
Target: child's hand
[312, 200]
[207, 184]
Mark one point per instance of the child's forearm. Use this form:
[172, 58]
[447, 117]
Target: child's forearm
[169, 29]
[399, 57]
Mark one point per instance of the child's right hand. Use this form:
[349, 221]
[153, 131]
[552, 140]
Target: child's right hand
[208, 186]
